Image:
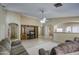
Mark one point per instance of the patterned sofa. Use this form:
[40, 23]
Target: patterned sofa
[8, 47]
[17, 48]
[5, 47]
[66, 48]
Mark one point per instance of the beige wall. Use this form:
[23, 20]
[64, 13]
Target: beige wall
[63, 36]
[55, 21]
[2, 23]
[47, 31]
[13, 17]
[28, 20]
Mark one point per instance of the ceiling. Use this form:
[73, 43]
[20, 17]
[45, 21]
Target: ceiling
[33, 9]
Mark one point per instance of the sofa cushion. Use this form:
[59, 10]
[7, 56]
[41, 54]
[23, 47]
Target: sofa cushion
[6, 43]
[41, 51]
[53, 51]
[3, 51]
[44, 52]
[17, 48]
[76, 39]
[14, 43]
[67, 47]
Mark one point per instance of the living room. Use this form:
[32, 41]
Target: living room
[37, 28]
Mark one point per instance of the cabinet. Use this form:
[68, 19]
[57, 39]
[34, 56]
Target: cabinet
[29, 32]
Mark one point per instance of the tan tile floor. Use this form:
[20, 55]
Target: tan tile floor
[33, 45]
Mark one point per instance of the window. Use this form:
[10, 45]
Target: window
[75, 29]
[68, 29]
[59, 30]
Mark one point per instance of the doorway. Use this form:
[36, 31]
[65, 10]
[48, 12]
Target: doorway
[29, 32]
[13, 32]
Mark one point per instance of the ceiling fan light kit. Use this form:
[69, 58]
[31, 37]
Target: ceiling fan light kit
[43, 20]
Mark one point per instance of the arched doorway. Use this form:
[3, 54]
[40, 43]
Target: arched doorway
[13, 31]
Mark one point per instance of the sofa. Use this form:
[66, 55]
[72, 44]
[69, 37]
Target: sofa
[67, 48]
[5, 47]
[8, 47]
[17, 48]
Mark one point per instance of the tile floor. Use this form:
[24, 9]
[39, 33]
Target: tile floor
[33, 45]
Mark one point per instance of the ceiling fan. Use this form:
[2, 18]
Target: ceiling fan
[43, 17]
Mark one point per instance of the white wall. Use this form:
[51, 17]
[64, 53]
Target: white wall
[2, 23]
[13, 17]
